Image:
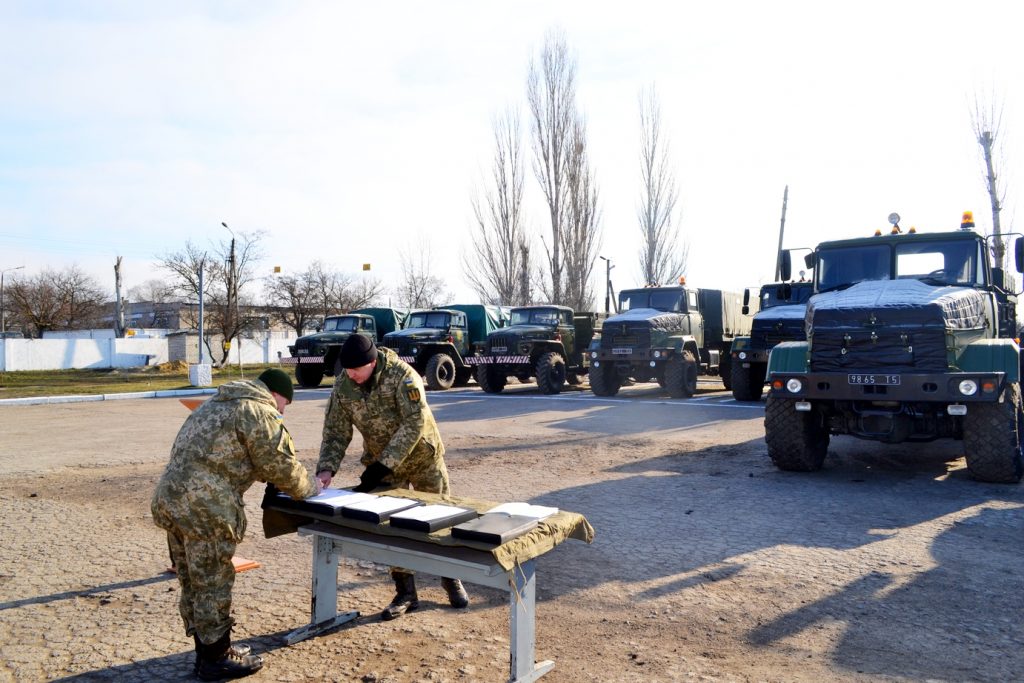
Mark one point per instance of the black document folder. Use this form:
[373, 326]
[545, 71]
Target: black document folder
[431, 517]
[494, 528]
[378, 509]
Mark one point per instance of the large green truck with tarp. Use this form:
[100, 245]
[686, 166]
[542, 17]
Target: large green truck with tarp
[911, 337]
[780, 319]
[669, 335]
[544, 341]
[437, 341]
[316, 355]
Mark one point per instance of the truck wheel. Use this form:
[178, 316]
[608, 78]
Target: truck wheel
[489, 379]
[681, 376]
[747, 383]
[992, 434]
[462, 377]
[550, 373]
[309, 375]
[604, 380]
[440, 373]
[797, 441]
[725, 370]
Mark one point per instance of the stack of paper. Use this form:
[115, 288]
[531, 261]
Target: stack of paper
[378, 509]
[524, 510]
[327, 502]
[430, 517]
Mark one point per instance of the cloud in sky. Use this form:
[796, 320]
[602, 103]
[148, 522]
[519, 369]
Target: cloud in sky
[345, 130]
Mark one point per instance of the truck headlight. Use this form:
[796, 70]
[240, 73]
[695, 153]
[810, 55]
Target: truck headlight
[742, 355]
[593, 354]
[656, 354]
[968, 387]
[794, 386]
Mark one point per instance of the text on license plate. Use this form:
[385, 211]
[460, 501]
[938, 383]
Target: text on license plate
[622, 351]
[874, 379]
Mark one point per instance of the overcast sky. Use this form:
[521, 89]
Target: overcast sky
[345, 130]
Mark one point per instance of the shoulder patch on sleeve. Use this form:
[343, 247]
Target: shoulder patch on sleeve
[412, 392]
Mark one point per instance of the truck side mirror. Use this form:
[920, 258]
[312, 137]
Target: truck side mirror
[1018, 253]
[785, 265]
[810, 260]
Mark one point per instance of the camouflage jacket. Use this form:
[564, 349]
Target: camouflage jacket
[392, 415]
[230, 441]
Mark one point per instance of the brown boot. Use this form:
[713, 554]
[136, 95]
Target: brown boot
[457, 596]
[218, 661]
[405, 599]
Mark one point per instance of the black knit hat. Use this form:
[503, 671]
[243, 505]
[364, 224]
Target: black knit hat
[357, 351]
[278, 382]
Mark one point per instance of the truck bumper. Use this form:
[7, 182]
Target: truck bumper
[497, 360]
[953, 387]
[295, 360]
[748, 356]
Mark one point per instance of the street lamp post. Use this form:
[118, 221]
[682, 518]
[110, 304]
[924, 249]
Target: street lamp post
[3, 310]
[607, 282]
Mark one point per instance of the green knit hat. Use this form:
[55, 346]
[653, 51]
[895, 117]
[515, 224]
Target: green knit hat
[278, 382]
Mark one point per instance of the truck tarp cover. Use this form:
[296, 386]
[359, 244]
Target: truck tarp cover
[889, 326]
[387, 319]
[482, 320]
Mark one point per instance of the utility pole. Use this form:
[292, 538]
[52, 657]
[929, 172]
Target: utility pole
[782, 228]
[607, 282]
[202, 342]
[3, 310]
[118, 301]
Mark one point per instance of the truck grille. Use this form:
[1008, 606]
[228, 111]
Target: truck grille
[501, 343]
[392, 343]
[633, 336]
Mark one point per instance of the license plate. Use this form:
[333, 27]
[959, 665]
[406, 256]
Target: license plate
[874, 379]
[622, 352]
[499, 349]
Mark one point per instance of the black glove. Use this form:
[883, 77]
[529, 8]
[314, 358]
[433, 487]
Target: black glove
[371, 477]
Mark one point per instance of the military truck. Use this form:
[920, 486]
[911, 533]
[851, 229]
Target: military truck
[910, 337]
[780, 318]
[546, 341]
[316, 355]
[437, 341]
[669, 335]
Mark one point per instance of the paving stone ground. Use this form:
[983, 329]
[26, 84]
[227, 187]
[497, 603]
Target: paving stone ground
[708, 565]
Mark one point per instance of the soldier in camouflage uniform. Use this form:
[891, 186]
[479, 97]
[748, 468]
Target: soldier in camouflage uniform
[383, 398]
[229, 442]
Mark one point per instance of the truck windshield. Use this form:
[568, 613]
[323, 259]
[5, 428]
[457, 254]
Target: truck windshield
[343, 324]
[777, 295]
[948, 263]
[953, 262]
[429, 319]
[673, 301]
[840, 268]
[536, 316]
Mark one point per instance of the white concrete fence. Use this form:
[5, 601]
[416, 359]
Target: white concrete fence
[103, 353]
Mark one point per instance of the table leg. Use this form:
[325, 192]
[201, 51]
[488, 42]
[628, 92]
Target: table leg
[324, 599]
[522, 667]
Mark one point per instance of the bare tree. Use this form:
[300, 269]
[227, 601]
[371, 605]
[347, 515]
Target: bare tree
[551, 94]
[66, 299]
[986, 120]
[224, 283]
[581, 239]
[419, 288]
[663, 255]
[318, 292]
[495, 267]
[153, 290]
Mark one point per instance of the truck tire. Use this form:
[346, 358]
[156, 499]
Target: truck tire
[992, 434]
[462, 376]
[309, 375]
[604, 380]
[550, 373]
[440, 372]
[490, 379]
[681, 376]
[747, 383]
[797, 441]
[725, 370]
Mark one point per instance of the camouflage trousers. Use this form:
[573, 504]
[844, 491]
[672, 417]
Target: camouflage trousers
[206, 576]
[432, 481]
